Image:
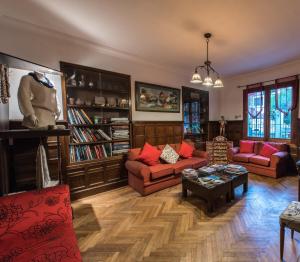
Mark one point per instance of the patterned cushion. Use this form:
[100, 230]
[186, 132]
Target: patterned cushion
[169, 155]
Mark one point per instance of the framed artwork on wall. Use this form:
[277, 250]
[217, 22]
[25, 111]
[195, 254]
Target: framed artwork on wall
[156, 98]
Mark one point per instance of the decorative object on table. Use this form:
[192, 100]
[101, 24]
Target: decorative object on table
[91, 84]
[111, 102]
[208, 69]
[222, 123]
[97, 119]
[217, 150]
[88, 102]
[156, 98]
[38, 101]
[81, 82]
[100, 101]
[4, 84]
[123, 103]
[79, 102]
[72, 80]
[71, 101]
[289, 218]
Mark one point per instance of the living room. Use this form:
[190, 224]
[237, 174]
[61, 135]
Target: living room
[149, 130]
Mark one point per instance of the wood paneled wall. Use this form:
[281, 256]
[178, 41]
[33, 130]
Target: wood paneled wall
[156, 132]
[234, 130]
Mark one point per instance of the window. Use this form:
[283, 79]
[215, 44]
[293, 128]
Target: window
[256, 111]
[191, 117]
[280, 116]
[270, 111]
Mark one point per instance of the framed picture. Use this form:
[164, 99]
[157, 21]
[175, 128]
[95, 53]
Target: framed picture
[156, 98]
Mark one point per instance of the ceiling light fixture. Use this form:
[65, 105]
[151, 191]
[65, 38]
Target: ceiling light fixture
[196, 78]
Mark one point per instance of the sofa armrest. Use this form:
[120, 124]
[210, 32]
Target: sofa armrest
[279, 157]
[138, 169]
[201, 154]
[232, 151]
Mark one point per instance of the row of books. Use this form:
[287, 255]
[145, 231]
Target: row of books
[81, 135]
[120, 132]
[82, 153]
[120, 148]
[78, 117]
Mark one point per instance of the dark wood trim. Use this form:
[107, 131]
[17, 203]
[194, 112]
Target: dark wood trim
[156, 132]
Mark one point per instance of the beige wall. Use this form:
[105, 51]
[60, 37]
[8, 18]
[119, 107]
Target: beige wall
[48, 48]
[231, 97]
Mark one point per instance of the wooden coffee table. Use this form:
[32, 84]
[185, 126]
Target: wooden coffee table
[210, 195]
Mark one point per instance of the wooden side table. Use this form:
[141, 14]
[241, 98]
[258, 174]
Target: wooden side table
[298, 171]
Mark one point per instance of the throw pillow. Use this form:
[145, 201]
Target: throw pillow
[246, 146]
[169, 155]
[186, 150]
[149, 155]
[268, 150]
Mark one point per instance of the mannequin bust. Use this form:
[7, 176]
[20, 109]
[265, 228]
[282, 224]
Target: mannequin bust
[38, 101]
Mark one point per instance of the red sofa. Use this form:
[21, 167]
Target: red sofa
[275, 166]
[148, 179]
[37, 226]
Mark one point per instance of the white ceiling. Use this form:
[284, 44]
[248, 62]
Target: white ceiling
[247, 34]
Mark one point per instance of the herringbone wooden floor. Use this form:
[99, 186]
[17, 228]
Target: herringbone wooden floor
[121, 225]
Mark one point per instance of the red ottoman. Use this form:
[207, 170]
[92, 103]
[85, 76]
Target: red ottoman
[37, 226]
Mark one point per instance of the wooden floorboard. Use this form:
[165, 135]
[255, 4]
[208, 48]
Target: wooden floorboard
[120, 225]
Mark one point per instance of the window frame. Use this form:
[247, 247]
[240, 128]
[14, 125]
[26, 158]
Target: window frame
[294, 83]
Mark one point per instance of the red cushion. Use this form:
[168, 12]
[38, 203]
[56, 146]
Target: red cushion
[161, 170]
[260, 160]
[242, 157]
[149, 155]
[246, 146]
[37, 226]
[186, 150]
[268, 150]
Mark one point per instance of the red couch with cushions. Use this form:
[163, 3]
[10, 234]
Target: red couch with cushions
[37, 226]
[261, 160]
[148, 179]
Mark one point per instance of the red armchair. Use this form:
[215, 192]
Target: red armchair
[275, 166]
[148, 179]
[37, 226]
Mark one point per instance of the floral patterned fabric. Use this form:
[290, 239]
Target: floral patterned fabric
[37, 227]
[169, 155]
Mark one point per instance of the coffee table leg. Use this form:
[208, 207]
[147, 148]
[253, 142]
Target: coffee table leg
[184, 192]
[232, 193]
[210, 206]
[228, 197]
[245, 187]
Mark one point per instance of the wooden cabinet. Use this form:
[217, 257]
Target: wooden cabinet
[93, 99]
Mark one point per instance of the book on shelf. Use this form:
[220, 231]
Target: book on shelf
[121, 120]
[88, 152]
[84, 135]
[78, 117]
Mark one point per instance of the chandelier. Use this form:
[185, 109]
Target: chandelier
[208, 69]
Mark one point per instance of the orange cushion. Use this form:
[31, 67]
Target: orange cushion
[186, 150]
[246, 146]
[268, 150]
[149, 155]
[242, 157]
[161, 170]
[196, 162]
[182, 164]
[259, 160]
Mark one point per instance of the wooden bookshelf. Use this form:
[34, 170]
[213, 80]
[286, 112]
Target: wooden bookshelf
[89, 169]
